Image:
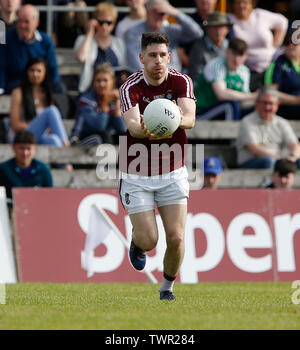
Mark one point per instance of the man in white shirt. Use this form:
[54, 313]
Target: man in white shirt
[263, 135]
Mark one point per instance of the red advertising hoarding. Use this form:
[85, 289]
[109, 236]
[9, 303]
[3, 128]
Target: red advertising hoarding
[231, 235]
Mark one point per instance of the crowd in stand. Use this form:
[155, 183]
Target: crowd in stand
[230, 57]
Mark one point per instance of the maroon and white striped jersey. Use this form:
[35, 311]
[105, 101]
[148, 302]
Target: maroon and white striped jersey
[137, 91]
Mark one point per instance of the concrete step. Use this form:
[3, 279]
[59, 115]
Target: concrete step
[232, 178]
[203, 130]
[106, 153]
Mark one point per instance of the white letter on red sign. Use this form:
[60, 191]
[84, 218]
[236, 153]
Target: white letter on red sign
[237, 242]
[285, 228]
[214, 233]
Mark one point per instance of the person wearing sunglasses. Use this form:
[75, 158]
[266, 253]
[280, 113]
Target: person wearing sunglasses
[98, 45]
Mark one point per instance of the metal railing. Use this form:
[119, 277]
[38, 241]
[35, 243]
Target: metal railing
[50, 9]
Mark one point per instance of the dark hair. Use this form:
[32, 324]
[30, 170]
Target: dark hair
[26, 87]
[285, 166]
[24, 136]
[289, 36]
[153, 38]
[237, 45]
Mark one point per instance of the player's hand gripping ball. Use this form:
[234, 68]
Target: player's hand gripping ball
[162, 117]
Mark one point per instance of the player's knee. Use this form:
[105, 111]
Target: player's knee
[149, 243]
[175, 242]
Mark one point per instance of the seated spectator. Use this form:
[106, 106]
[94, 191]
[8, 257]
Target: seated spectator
[70, 24]
[158, 11]
[262, 30]
[204, 8]
[99, 45]
[23, 170]
[99, 113]
[213, 44]
[32, 107]
[213, 172]
[224, 84]
[284, 75]
[263, 135]
[23, 43]
[137, 13]
[8, 12]
[283, 176]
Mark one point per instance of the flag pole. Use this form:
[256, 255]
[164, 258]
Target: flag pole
[122, 238]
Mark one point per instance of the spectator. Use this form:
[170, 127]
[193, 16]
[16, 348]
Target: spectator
[158, 11]
[283, 176]
[99, 114]
[263, 135]
[284, 75]
[23, 43]
[32, 107]
[99, 45]
[204, 9]
[224, 84]
[8, 12]
[137, 13]
[23, 170]
[71, 24]
[213, 44]
[213, 172]
[263, 31]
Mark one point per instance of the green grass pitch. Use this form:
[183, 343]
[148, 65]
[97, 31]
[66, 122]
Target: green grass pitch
[136, 306]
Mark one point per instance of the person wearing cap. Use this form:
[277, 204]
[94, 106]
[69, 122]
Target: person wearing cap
[213, 172]
[222, 90]
[283, 176]
[213, 44]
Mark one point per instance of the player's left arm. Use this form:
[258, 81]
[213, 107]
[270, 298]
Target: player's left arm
[187, 108]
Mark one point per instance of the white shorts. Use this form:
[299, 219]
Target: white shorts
[140, 193]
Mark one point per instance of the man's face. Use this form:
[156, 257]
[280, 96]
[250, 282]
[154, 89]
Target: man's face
[135, 4]
[155, 59]
[27, 23]
[211, 180]
[217, 34]
[9, 6]
[155, 19]
[292, 51]
[234, 60]
[267, 106]
[24, 154]
[206, 6]
[283, 181]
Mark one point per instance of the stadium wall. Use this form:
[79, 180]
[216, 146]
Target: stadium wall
[7, 262]
[73, 235]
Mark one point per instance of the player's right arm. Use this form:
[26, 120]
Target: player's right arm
[135, 124]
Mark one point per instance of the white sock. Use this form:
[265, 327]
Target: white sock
[166, 285]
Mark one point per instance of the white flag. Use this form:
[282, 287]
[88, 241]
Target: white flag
[100, 226]
[98, 230]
